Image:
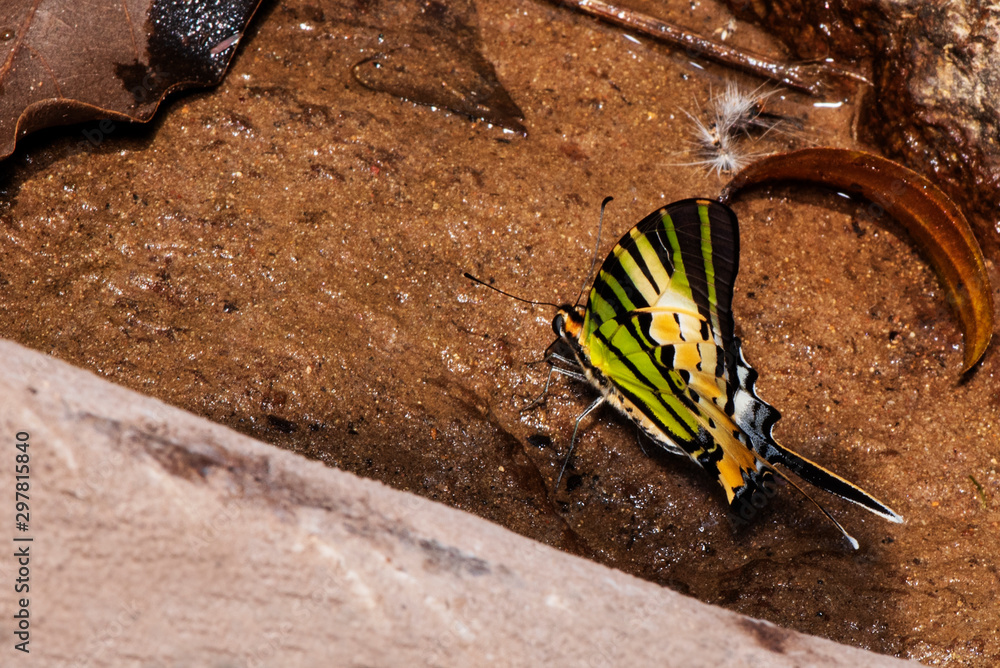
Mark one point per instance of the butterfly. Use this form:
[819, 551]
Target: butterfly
[656, 339]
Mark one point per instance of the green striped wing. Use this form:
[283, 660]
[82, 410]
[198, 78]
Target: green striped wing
[658, 325]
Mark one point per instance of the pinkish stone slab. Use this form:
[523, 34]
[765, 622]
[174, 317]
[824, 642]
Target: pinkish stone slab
[164, 539]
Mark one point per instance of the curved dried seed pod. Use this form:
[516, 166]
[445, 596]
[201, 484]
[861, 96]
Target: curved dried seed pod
[934, 221]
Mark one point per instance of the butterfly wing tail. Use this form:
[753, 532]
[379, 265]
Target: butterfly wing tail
[757, 418]
[816, 475]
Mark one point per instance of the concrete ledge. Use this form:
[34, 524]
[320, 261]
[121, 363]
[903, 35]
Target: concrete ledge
[163, 539]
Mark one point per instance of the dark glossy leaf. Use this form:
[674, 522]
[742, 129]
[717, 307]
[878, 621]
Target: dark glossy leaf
[63, 61]
[934, 221]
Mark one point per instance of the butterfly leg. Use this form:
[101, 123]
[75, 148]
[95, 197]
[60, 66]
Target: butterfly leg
[570, 373]
[639, 436]
[545, 392]
[590, 409]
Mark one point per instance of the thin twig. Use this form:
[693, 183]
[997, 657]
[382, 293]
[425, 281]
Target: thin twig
[804, 77]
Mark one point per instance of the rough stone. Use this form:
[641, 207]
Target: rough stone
[160, 538]
[934, 99]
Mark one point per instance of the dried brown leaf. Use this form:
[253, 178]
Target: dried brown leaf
[64, 61]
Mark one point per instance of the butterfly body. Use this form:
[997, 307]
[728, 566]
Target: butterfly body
[656, 339]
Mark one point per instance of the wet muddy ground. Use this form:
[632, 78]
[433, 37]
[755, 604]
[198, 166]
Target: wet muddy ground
[284, 255]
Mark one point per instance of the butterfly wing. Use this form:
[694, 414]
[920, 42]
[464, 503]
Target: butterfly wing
[757, 418]
[685, 255]
[659, 325]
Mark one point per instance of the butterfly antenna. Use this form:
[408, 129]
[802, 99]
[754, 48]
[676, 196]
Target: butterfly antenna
[507, 294]
[851, 539]
[597, 248]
